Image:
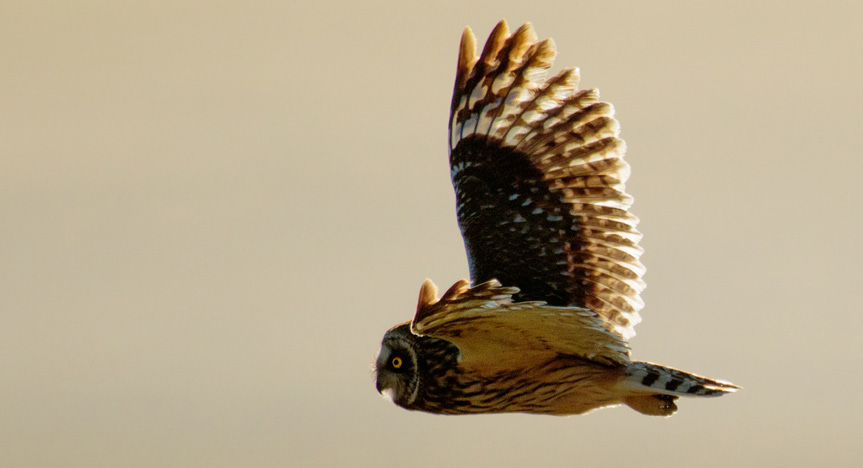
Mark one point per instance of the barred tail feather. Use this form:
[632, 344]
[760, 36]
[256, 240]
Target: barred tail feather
[653, 378]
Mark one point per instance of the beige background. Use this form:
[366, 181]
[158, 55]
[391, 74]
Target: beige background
[211, 212]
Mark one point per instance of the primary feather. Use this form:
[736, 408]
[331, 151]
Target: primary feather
[539, 178]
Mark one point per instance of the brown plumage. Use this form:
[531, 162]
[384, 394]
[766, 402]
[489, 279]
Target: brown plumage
[538, 172]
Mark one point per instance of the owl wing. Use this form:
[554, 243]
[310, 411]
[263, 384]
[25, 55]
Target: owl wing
[539, 176]
[490, 329]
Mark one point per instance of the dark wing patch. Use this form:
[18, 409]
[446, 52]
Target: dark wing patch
[539, 178]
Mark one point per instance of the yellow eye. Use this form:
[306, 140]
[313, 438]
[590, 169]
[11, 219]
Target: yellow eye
[397, 362]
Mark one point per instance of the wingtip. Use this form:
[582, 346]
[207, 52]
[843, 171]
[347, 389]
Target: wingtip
[502, 25]
[495, 42]
[467, 47]
[428, 297]
[428, 294]
[525, 34]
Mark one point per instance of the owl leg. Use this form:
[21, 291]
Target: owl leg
[652, 405]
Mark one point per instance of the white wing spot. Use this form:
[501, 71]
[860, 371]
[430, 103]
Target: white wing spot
[537, 211]
[456, 169]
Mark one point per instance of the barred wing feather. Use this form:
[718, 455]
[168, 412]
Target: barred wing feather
[539, 175]
[490, 329]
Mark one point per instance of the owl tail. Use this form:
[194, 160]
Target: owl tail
[653, 388]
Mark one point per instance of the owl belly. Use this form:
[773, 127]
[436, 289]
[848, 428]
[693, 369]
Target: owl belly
[562, 386]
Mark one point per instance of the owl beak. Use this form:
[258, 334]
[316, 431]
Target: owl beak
[385, 385]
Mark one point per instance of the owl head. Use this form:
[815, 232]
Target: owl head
[417, 371]
[397, 365]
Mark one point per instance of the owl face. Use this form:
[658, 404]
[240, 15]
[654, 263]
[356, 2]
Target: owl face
[397, 370]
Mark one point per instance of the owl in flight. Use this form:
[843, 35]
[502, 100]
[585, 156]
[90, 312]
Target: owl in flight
[542, 327]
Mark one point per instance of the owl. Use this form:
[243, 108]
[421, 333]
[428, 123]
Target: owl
[543, 325]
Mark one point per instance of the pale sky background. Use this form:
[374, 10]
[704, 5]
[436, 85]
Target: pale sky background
[210, 213]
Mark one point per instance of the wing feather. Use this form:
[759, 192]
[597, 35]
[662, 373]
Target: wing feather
[490, 329]
[539, 176]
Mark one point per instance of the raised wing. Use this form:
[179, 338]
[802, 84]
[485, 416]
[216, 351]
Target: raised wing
[539, 178]
[490, 329]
